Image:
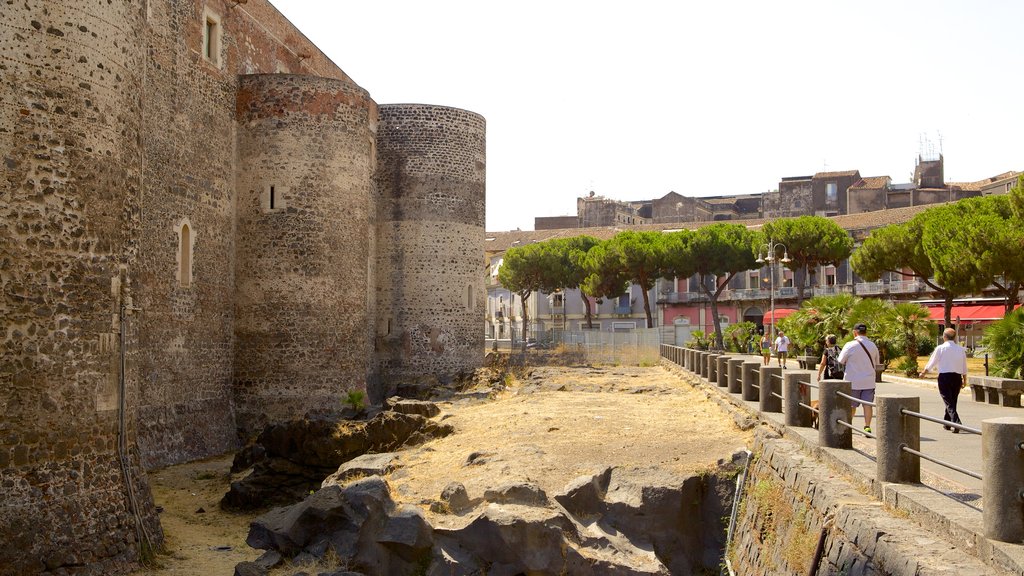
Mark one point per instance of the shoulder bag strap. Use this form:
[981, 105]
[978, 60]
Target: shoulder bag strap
[870, 357]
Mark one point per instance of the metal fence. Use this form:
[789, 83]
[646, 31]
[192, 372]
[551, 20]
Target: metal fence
[633, 347]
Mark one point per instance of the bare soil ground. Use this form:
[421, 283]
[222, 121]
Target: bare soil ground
[548, 427]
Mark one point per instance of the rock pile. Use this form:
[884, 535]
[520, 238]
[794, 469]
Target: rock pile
[617, 521]
[291, 459]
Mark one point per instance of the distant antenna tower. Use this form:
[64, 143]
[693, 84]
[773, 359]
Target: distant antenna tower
[926, 148]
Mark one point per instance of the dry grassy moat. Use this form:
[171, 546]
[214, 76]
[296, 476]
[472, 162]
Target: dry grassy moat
[547, 427]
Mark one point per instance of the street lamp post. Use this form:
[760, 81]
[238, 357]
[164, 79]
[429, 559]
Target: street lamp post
[771, 249]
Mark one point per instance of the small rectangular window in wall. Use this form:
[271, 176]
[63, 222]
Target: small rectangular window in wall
[272, 199]
[211, 38]
[831, 191]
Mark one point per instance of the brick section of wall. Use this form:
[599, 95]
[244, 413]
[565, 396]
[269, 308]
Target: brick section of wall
[302, 266]
[430, 230]
[69, 227]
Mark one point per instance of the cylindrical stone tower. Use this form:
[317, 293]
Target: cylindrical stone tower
[305, 163]
[72, 494]
[430, 229]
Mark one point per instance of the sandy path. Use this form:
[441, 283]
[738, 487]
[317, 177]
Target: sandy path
[548, 428]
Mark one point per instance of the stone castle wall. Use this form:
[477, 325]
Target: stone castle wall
[122, 144]
[305, 164]
[69, 241]
[430, 179]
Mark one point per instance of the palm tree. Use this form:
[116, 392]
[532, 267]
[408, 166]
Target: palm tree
[905, 325]
[1006, 340]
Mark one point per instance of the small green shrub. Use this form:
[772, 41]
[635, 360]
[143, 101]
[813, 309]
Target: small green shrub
[356, 399]
[908, 366]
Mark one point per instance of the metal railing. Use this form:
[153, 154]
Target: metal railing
[898, 454]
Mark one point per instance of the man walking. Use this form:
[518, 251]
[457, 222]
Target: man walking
[782, 348]
[949, 359]
[860, 356]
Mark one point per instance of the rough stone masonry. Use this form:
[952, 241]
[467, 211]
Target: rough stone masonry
[205, 226]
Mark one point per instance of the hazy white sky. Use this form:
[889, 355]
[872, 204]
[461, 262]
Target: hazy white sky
[636, 99]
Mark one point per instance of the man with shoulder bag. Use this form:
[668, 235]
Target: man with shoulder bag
[859, 357]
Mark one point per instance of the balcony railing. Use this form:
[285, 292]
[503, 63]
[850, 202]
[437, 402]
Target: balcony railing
[747, 294]
[623, 310]
[835, 289]
[905, 286]
[868, 288]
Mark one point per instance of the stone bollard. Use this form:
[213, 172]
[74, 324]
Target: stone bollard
[704, 358]
[735, 375]
[1002, 465]
[686, 358]
[832, 407]
[751, 380]
[712, 371]
[723, 371]
[796, 390]
[896, 430]
[771, 381]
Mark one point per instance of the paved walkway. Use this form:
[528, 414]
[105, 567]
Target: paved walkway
[961, 449]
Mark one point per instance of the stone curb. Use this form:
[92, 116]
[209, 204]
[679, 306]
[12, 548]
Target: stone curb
[959, 523]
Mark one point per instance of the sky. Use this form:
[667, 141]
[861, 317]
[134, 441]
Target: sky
[634, 100]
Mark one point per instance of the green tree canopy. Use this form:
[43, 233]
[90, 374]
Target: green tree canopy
[716, 253]
[568, 267]
[811, 241]
[993, 241]
[524, 270]
[899, 248]
[641, 259]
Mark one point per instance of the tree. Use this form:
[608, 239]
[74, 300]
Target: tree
[897, 248]
[717, 253]
[1006, 340]
[811, 241]
[994, 241]
[605, 277]
[569, 257]
[741, 335]
[819, 317]
[523, 271]
[640, 257]
[1017, 197]
[905, 326]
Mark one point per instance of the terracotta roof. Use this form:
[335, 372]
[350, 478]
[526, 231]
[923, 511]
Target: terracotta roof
[502, 241]
[973, 186]
[872, 182]
[837, 174]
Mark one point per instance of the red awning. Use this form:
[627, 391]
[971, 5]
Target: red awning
[780, 313]
[971, 312]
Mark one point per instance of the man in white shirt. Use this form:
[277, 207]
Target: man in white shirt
[782, 348]
[860, 356]
[950, 360]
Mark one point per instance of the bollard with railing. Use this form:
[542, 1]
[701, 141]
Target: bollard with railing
[897, 430]
[723, 371]
[833, 409]
[749, 386]
[770, 393]
[796, 394]
[736, 375]
[898, 454]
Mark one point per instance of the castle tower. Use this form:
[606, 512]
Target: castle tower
[305, 160]
[430, 229]
[73, 491]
